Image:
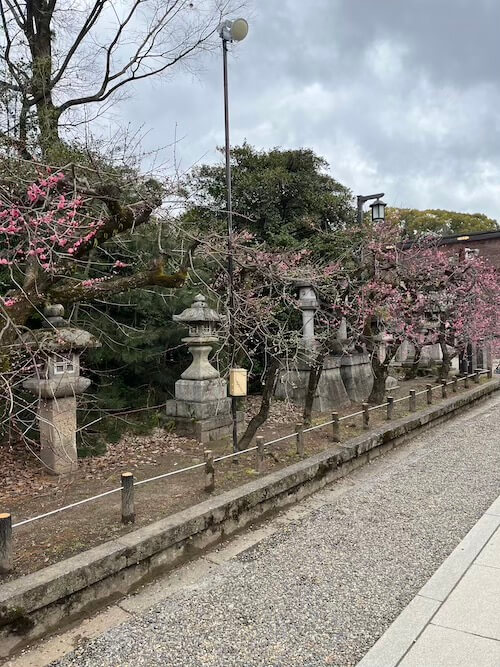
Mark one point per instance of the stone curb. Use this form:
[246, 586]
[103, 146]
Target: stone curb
[405, 630]
[39, 603]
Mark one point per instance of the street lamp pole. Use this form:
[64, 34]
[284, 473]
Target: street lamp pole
[230, 31]
[230, 252]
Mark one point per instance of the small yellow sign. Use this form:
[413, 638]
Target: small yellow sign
[238, 382]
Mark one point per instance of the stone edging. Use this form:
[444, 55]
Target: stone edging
[402, 634]
[39, 603]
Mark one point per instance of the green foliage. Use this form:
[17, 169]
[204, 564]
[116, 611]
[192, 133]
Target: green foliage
[141, 355]
[284, 197]
[438, 221]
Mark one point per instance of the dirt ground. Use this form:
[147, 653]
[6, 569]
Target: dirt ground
[28, 490]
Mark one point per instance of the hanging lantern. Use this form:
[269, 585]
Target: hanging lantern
[378, 210]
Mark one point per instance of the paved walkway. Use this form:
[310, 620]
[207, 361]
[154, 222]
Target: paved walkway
[321, 583]
[454, 620]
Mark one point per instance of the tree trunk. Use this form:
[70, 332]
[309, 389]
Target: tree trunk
[411, 373]
[380, 371]
[263, 413]
[312, 385]
[445, 367]
[39, 33]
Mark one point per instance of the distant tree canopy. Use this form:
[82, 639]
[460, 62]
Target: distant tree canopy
[438, 221]
[284, 197]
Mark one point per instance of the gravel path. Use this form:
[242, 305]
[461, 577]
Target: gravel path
[322, 589]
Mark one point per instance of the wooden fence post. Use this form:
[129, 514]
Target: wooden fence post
[366, 416]
[299, 430]
[128, 507]
[209, 470]
[455, 385]
[429, 394]
[413, 400]
[477, 376]
[390, 407]
[5, 543]
[443, 389]
[335, 427]
[260, 452]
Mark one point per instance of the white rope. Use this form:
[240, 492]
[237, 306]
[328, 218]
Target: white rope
[283, 437]
[313, 428]
[169, 474]
[102, 495]
[66, 507]
[243, 451]
[354, 414]
[376, 407]
[229, 456]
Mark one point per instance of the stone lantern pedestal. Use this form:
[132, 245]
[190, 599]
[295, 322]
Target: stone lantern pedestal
[293, 382]
[201, 408]
[57, 348]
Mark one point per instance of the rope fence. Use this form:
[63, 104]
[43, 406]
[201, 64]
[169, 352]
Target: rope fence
[128, 483]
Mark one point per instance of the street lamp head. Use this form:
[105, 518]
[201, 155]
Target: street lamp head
[233, 31]
[378, 210]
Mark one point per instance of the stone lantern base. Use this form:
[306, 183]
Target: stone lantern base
[57, 420]
[202, 409]
[330, 393]
[344, 379]
[357, 376]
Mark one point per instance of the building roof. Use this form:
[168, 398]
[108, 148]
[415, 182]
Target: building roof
[470, 236]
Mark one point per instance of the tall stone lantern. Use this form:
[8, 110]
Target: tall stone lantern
[201, 408]
[57, 348]
[293, 382]
[308, 303]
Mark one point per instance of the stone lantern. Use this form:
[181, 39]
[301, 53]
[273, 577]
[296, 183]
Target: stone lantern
[201, 408]
[57, 348]
[293, 383]
[202, 323]
[309, 305]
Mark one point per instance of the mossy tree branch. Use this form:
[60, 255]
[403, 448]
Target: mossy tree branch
[153, 276]
[70, 292]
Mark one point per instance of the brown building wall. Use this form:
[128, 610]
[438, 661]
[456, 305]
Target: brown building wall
[488, 248]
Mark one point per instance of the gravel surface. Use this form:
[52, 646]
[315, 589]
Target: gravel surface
[322, 589]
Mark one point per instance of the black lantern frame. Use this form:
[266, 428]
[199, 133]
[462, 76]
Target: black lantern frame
[378, 210]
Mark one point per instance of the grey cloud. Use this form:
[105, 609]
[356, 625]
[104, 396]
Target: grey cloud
[401, 95]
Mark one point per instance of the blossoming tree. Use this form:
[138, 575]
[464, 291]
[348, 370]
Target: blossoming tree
[418, 293]
[59, 243]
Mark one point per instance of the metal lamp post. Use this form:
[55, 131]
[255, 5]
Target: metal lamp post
[379, 211]
[230, 31]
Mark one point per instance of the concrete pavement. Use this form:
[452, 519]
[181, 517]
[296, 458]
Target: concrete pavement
[454, 621]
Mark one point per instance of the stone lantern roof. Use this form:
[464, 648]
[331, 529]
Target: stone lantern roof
[57, 335]
[198, 313]
[59, 346]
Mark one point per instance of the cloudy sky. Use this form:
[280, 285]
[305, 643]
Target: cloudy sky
[400, 96]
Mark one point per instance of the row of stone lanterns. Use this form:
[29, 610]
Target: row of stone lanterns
[201, 408]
